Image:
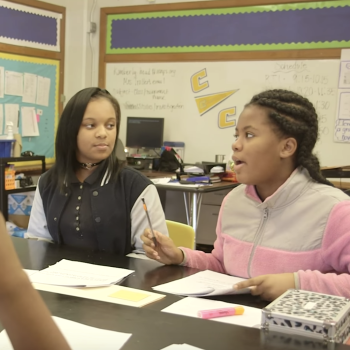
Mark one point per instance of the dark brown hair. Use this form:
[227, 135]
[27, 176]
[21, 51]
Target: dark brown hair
[294, 116]
[68, 128]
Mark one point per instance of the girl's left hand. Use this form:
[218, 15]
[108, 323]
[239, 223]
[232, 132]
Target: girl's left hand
[269, 287]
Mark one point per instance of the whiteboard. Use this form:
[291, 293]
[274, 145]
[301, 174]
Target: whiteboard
[167, 90]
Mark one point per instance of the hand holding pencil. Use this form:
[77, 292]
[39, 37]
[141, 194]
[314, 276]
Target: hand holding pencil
[149, 222]
[158, 246]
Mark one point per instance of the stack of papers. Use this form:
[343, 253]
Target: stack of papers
[77, 274]
[193, 169]
[204, 283]
[59, 282]
[80, 337]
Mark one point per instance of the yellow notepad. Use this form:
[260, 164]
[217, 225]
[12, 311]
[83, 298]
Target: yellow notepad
[129, 295]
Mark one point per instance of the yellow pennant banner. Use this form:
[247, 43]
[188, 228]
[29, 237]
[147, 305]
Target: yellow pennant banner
[207, 102]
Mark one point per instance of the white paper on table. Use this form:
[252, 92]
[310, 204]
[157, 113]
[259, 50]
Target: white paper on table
[181, 347]
[29, 122]
[161, 180]
[11, 115]
[78, 274]
[138, 256]
[1, 118]
[30, 272]
[43, 91]
[204, 283]
[80, 336]
[190, 307]
[177, 184]
[13, 83]
[2, 82]
[29, 88]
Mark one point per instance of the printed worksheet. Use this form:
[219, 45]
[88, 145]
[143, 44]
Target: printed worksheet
[13, 83]
[30, 87]
[12, 115]
[29, 122]
[43, 91]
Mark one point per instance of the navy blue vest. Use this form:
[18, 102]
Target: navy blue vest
[111, 206]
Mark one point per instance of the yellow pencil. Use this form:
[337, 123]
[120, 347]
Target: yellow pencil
[149, 222]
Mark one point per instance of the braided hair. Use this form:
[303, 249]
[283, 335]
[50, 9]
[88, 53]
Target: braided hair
[294, 116]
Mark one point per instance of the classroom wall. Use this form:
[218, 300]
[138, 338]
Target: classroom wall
[81, 59]
[113, 3]
[75, 44]
[81, 62]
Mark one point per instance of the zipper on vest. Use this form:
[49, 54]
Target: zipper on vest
[257, 238]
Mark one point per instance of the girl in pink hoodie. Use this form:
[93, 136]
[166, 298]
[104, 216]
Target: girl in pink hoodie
[286, 226]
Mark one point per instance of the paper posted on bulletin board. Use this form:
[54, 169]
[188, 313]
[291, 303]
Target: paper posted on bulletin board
[342, 126]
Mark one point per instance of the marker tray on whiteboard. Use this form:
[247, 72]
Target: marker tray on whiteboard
[309, 314]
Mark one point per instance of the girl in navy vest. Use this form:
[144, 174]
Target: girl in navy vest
[87, 199]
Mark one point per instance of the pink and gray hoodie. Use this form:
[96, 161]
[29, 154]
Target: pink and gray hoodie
[304, 228]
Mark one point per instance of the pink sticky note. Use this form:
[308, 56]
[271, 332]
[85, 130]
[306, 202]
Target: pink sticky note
[37, 118]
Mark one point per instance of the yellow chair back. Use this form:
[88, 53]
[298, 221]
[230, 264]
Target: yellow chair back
[181, 234]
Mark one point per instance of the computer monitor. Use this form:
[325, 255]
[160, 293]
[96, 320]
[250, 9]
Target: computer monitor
[144, 132]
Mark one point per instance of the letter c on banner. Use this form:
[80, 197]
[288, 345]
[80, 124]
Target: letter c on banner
[195, 81]
[224, 122]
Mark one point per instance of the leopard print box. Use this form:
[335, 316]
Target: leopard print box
[309, 314]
